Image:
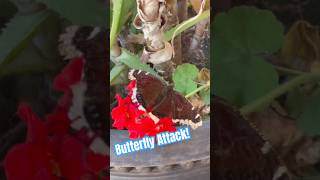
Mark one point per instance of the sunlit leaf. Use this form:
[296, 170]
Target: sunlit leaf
[184, 78]
[133, 62]
[121, 11]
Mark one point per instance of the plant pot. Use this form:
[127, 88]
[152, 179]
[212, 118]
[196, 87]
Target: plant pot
[185, 160]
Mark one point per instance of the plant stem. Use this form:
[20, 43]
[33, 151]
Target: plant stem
[268, 98]
[186, 25]
[198, 89]
[117, 6]
[288, 71]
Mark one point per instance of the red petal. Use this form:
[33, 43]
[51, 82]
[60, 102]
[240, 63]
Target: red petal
[36, 130]
[70, 75]
[72, 162]
[82, 135]
[27, 161]
[119, 116]
[122, 113]
[130, 87]
[164, 124]
[97, 162]
[140, 127]
[65, 101]
[58, 122]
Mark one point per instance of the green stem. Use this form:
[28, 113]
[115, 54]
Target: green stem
[116, 16]
[288, 71]
[186, 25]
[198, 89]
[268, 98]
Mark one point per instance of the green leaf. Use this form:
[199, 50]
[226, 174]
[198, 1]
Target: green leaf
[116, 71]
[183, 78]
[134, 62]
[82, 12]
[17, 34]
[295, 102]
[243, 33]
[121, 11]
[305, 108]
[29, 60]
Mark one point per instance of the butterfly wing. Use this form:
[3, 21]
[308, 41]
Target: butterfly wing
[163, 101]
[184, 112]
[92, 42]
[239, 152]
[150, 90]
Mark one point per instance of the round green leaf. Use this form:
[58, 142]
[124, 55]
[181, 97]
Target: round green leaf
[183, 78]
[240, 36]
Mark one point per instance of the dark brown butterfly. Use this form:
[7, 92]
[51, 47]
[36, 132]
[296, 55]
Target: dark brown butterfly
[162, 100]
[239, 152]
[92, 42]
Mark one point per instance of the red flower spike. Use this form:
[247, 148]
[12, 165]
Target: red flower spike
[70, 75]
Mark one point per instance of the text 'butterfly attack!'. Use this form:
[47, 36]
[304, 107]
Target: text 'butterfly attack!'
[239, 152]
[152, 106]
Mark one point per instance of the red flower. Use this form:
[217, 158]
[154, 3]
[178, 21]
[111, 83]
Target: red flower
[58, 122]
[50, 151]
[77, 161]
[164, 124]
[28, 161]
[138, 122]
[130, 87]
[49, 157]
[97, 162]
[65, 101]
[121, 113]
[140, 127]
[70, 75]
[31, 159]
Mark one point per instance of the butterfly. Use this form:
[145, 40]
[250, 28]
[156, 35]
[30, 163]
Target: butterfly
[239, 152]
[92, 44]
[155, 95]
